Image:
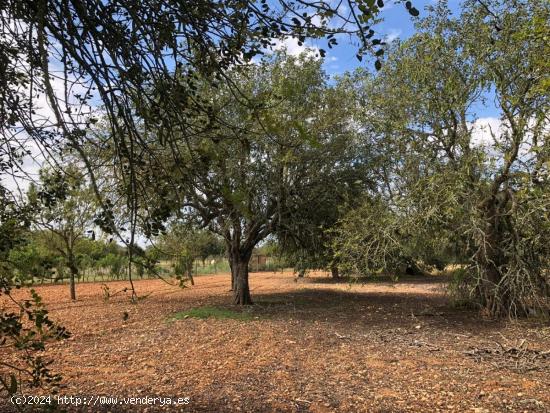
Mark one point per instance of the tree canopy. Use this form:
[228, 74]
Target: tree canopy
[272, 150]
[453, 194]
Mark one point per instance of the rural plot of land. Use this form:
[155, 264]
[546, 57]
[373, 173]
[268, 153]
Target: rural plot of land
[307, 345]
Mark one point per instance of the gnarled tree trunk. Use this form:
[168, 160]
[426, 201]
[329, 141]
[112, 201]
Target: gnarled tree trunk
[240, 244]
[490, 256]
[239, 277]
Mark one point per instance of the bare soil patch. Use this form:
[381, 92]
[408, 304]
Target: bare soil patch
[307, 345]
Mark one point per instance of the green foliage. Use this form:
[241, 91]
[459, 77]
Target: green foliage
[156, 56]
[183, 265]
[65, 211]
[220, 265]
[185, 244]
[368, 240]
[446, 196]
[184, 240]
[27, 328]
[115, 263]
[253, 166]
[148, 72]
[32, 261]
[36, 259]
[461, 288]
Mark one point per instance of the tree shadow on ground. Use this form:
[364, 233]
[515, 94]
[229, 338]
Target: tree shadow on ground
[367, 309]
[402, 279]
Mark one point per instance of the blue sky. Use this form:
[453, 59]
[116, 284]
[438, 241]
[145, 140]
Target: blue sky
[397, 23]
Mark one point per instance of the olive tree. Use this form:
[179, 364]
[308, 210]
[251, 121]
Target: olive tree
[483, 198]
[245, 170]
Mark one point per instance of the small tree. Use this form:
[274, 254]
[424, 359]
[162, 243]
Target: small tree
[185, 244]
[66, 213]
[184, 265]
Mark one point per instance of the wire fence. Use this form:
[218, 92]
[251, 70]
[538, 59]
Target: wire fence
[209, 266]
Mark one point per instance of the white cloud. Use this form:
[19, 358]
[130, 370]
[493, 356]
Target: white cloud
[494, 135]
[393, 35]
[388, 5]
[484, 129]
[293, 48]
[18, 179]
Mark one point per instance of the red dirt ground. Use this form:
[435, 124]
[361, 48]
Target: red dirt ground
[312, 346]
